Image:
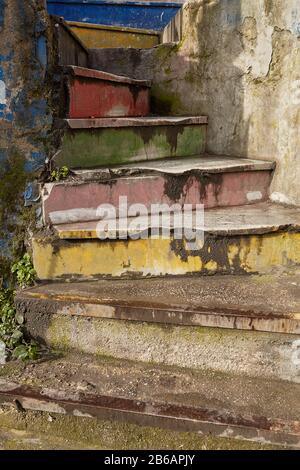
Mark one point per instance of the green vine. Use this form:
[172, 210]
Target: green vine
[12, 341]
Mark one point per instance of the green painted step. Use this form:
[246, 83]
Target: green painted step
[88, 143]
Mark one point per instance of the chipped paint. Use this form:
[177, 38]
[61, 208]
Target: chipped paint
[92, 94]
[71, 202]
[25, 116]
[97, 146]
[254, 196]
[88, 259]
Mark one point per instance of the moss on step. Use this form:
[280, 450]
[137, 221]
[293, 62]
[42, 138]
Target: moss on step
[165, 102]
[84, 433]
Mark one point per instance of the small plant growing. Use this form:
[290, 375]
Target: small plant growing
[24, 271]
[59, 174]
[12, 340]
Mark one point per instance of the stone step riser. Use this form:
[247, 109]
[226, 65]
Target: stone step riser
[63, 203]
[143, 311]
[252, 353]
[91, 94]
[77, 256]
[178, 418]
[131, 62]
[90, 146]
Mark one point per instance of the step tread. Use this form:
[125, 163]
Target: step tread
[84, 384]
[125, 29]
[228, 300]
[205, 163]
[131, 122]
[258, 218]
[99, 75]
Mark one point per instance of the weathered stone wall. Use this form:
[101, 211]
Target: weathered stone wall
[24, 115]
[239, 63]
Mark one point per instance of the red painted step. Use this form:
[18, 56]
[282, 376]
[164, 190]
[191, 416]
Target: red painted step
[209, 180]
[96, 94]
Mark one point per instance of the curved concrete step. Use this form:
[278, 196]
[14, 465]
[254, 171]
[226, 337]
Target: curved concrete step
[90, 143]
[253, 239]
[98, 36]
[221, 405]
[215, 181]
[88, 93]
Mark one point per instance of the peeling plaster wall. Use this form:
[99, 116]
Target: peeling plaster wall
[25, 119]
[239, 63]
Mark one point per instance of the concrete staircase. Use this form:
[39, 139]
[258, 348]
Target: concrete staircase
[178, 348]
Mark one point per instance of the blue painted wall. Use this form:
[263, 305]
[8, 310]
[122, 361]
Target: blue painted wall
[134, 14]
[25, 115]
[25, 107]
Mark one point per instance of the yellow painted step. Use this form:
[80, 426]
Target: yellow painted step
[95, 259]
[96, 36]
[240, 240]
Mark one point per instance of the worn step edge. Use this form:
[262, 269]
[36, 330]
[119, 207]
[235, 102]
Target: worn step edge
[149, 312]
[129, 122]
[203, 164]
[256, 219]
[183, 418]
[123, 29]
[87, 73]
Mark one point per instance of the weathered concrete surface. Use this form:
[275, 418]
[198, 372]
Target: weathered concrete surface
[100, 36]
[35, 430]
[182, 400]
[206, 163]
[25, 119]
[251, 239]
[193, 181]
[256, 354]
[88, 143]
[92, 94]
[239, 61]
[255, 219]
[23, 95]
[84, 72]
[218, 301]
[131, 62]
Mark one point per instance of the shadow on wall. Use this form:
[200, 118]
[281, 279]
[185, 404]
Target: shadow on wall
[238, 62]
[200, 73]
